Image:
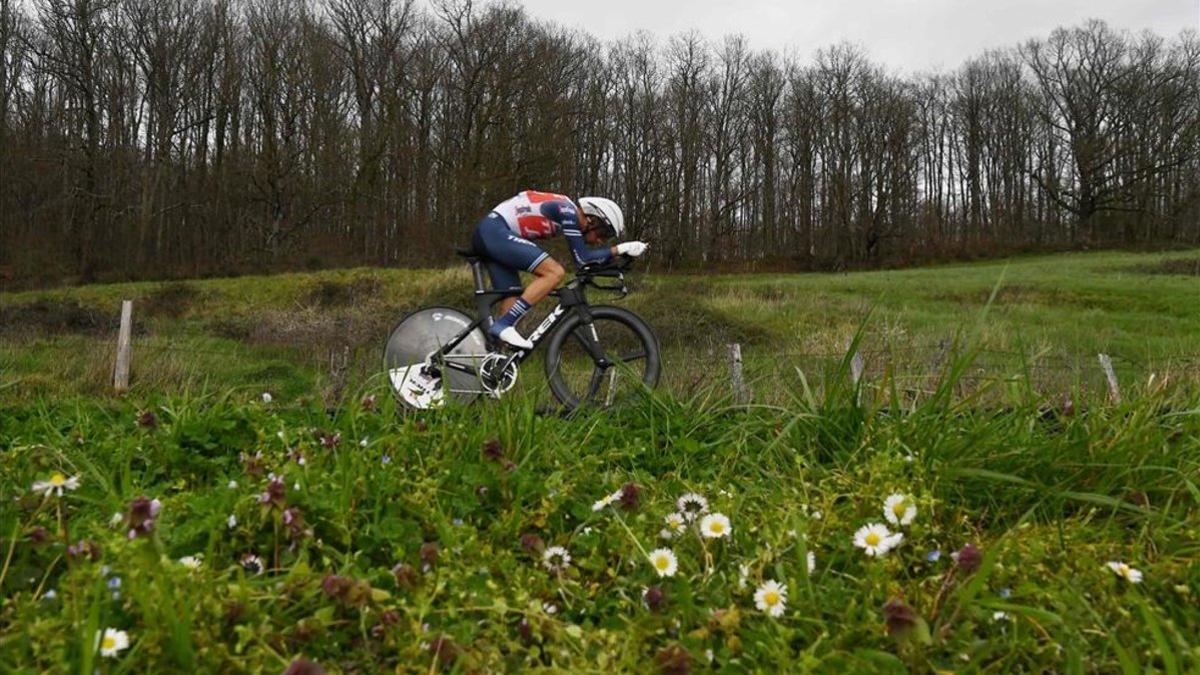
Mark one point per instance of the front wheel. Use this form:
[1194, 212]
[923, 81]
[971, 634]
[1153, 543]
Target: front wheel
[602, 363]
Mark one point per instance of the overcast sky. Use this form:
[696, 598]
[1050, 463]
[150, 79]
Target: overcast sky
[905, 35]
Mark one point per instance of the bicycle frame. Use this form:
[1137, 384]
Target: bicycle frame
[570, 298]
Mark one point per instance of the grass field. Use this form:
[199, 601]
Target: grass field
[1051, 316]
[221, 532]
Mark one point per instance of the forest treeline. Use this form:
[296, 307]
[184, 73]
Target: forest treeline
[151, 138]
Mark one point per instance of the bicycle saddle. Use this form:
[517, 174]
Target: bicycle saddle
[470, 254]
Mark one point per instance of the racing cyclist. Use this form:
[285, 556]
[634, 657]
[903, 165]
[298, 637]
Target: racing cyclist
[505, 236]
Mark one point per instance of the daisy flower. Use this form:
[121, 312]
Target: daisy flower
[675, 524]
[811, 559]
[899, 509]
[664, 562]
[606, 500]
[232, 521]
[55, 485]
[266, 397]
[771, 598]
[692, 505]
[252, 563]
[112, 641]
[715, 526]
[556, 558]
[191, 562]
[876, 539]
[1130, 574]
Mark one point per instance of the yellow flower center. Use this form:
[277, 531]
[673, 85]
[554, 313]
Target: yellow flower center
[771, 598]
[717, 527]
[873, 538]
[898, 508]
[108, 642]
[58, 480]
[662, 563]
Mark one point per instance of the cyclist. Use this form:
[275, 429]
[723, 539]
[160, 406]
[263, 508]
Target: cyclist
[505, 237]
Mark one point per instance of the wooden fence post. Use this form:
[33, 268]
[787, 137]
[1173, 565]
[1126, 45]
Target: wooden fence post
[1114, 390]
[740, 394]
[856, 364]
[939, 355]
[124, 338]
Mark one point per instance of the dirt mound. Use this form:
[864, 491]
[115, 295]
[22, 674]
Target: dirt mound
[169, 300]
[55, 317]
[1189, 267]
[328, 293]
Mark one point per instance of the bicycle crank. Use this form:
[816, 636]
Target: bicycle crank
[498, 373]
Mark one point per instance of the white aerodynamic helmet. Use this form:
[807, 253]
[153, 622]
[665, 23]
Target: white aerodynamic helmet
[607, 211]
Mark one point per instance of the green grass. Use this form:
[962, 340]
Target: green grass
[1051, 316]
[407, 545]
[1049, 499]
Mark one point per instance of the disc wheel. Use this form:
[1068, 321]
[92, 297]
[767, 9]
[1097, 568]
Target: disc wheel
[630, 360]
[426, 330]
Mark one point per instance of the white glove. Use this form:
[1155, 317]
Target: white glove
[632, 248]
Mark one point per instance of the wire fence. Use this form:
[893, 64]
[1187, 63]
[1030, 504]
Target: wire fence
[912, 363]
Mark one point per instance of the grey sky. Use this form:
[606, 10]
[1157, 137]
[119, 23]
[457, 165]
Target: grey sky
[901, 34]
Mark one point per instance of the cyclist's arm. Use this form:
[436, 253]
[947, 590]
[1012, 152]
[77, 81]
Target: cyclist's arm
[567, 216]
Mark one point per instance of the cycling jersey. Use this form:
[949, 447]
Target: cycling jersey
[530, 215]
[537, 215]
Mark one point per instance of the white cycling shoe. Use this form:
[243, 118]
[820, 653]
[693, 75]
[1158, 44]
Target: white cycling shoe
[511, 337]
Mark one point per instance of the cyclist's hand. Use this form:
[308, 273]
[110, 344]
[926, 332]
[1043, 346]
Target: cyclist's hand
[632, 249]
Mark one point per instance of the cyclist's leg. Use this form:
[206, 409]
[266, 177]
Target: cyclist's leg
[512, 253]
[504, 277]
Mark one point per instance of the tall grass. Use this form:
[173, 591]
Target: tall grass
[1050, 495]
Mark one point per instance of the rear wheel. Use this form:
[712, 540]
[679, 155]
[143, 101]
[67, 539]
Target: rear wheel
[603, 363]
[425, 331]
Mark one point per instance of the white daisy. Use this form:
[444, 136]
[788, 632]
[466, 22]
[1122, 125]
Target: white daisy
[876, 539]
[232, 522]
[606, 501]
[715, 526]
[676, 523]
[692, 505]
[664, 562]
[266, 397]
[811, 559]
[55, 485]
[556, 558]
[252, 563]
[1130, 574]
[899, 509]
[191, 562]
[112, 641]
[233, 485]
[999, 616]
[771, 598]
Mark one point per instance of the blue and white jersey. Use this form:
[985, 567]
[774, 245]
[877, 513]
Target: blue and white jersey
[537, 215]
